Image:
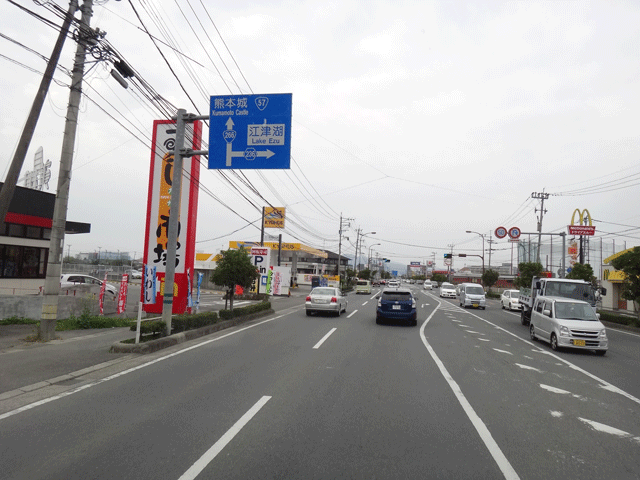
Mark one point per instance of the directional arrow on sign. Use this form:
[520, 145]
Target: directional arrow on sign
[250, 153]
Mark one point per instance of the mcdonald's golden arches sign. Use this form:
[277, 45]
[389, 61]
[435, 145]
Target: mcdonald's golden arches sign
[584, 225]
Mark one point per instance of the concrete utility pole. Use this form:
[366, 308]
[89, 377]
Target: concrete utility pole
[343, 223]
[9, 187]
[52, 283]
[540, 196]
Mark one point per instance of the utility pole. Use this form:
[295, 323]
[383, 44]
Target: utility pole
[542, 196]
[343, 223]
[49, 315]
[491, 241]
[9, 187]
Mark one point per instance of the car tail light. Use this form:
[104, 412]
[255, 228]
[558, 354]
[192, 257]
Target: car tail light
[308, 299]
[334, 300]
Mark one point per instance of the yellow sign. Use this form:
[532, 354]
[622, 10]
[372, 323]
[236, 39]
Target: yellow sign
[289, 247]
[616, 276]
[274, 217]
[616, 255]
[582, 216]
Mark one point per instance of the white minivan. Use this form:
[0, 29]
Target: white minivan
[472, 295]
[566, 322]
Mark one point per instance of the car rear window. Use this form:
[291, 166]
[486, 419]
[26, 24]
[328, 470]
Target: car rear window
[323, 291]
[396, 296]
[363, 282]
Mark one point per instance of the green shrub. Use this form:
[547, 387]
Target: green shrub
[181, 323]
[86, 321]
[620, 319]
[492, 295]
[18, 321]
[249, 309]
[157, 327]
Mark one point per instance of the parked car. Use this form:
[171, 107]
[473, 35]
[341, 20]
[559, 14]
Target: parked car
[326, 299]
[69, 280]
[427, 285]
[510, 299]
[565, 322]
[396, 304]
[447, 290]
[134, 274]
[472, 295]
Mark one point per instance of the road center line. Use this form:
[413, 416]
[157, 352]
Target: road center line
[352, 314]
[317, 345]
[485, 435]
[217, 447]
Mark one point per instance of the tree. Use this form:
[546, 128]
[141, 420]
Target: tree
[528, 270]
[582, 272]
[438, 277]
[365, 274]
[629, 263]
[234, 268]
[489, 278]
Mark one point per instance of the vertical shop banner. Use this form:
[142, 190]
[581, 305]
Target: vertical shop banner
[278, 281]
[189, 297]
[158, 209]
[103, 287]
[149, 290]
[122, 294]
[200, 277]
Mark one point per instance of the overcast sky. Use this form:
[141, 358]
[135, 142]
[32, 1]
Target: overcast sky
[418, 120]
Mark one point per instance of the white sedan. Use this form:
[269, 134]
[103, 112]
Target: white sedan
[447, 290]
[71, 280]
[510, 299]
[326, 299]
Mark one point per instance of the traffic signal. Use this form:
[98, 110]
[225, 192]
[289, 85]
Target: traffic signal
[448, 255]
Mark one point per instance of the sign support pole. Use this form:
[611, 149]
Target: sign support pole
[174, 214]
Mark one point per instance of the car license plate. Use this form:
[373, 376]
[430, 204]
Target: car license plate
[396, 307]
[475, 305]
[579, 343]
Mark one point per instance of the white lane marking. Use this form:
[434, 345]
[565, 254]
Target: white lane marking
[352, 314]
[471, 331]
[622, 331]
[138, 367]
[554, 389]
[503, 351]
[601, 427]
[555, 413]
[217, 447]
[606, 385]
[365, 303]
[317, 345]
[527, 367]
[484, 433]
[484, 339]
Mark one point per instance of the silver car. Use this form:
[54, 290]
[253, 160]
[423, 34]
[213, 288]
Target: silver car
[326, 299]
[565, 322]
[510, 299]
[447, 290]
[72, 280]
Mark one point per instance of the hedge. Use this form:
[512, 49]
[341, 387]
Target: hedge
[239, 312]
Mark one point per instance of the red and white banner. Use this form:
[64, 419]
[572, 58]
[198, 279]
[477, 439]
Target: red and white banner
[122, 294]
[158, 205]
[103, 287]
[581, 230]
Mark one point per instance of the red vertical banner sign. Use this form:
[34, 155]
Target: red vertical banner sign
[122, 294]
[103, 287]
[158, 208]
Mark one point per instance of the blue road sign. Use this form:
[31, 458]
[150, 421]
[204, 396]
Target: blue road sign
[250, 131]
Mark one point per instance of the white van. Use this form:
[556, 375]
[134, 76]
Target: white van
[472, 295]
[363, 286]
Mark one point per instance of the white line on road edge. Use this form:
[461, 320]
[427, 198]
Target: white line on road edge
[138, 367]
[352, 314]
[499, 457]
[217, 447]
[317, 345]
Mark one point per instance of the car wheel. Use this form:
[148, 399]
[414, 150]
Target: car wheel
[523, 318]
[308, 313]
[378, 320]
[414, 323]
[502, 306]
[484, 308]
[554, 342]
[601, 353]
[532, 333]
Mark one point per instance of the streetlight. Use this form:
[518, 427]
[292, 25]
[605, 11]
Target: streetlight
[359, 238]
[369, 257]
[482, 235]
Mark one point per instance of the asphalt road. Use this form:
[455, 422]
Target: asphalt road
[465, 394]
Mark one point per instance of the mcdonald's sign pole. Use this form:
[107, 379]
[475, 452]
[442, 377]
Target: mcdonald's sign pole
[584, 227]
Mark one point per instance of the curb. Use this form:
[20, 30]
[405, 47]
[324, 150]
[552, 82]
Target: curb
[177, 338]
